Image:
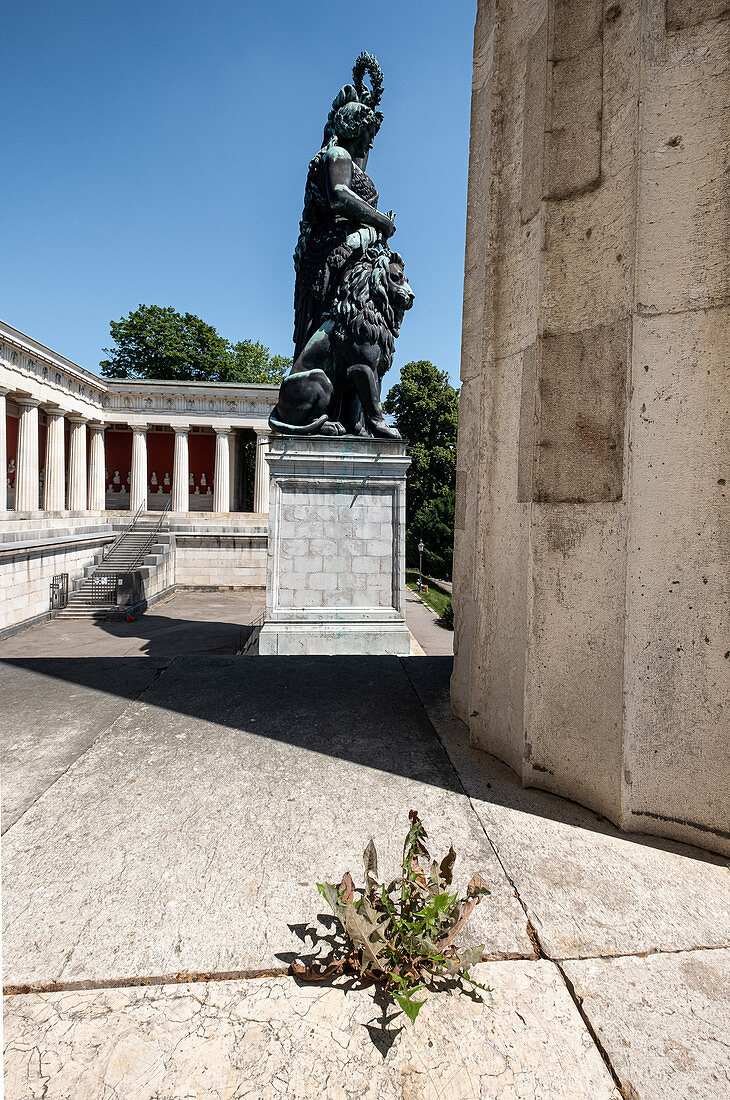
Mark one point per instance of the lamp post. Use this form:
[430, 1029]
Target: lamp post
[420, 566]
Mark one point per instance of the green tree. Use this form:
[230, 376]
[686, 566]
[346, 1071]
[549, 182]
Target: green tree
[252, 362]
[434, 525]
[425, 407]
[156, 342]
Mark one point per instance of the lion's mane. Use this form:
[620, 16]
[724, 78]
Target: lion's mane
[362, 310]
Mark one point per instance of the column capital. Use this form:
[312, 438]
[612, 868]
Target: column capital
[26, 400]
[223, 429]
[98, 425]
[139, 429]
[180, 428]
[4, 390]
[76, 418]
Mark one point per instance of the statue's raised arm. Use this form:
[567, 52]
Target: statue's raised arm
[345, 272]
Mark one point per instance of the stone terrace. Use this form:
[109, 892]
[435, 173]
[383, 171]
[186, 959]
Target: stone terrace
[160, 870]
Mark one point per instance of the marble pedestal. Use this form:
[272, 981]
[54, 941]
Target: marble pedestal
[336, 555]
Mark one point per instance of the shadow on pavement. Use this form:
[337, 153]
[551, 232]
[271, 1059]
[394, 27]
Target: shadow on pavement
[366, 710]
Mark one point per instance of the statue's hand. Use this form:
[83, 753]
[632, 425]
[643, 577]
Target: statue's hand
[388, 228]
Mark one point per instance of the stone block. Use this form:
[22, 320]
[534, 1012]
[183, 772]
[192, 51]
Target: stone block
[273, 1036]
[579, 421]
[663, 1021]
[334, 555]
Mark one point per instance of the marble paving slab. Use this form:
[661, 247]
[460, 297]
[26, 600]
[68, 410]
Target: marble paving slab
[268, 1038]
[46, 722]
[190, 837]
[589, 889]
[664, 1021]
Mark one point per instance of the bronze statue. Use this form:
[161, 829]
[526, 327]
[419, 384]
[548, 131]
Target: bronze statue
[350, 291]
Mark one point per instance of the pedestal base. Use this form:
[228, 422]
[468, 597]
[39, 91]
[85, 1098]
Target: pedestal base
[336, 553]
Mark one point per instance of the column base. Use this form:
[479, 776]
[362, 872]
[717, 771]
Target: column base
[332, 637]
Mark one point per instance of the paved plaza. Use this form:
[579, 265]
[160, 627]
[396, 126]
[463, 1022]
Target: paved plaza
[166, 821]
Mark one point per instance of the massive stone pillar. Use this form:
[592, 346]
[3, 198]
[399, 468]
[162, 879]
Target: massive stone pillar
[77, 472]
[138, 489]
[222, 475]
[54, 489]
[181, 471]
[590, 586]
[261, 476]
[26, 477]
[3, 451]
[97, 465]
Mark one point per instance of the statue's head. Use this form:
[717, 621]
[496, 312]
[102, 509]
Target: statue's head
[354, 120]
[355, 125]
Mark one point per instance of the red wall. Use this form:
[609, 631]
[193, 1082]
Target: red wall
[118, 447]
[160, 452]
[201, 456]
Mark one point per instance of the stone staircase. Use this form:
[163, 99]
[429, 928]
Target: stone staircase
[141, 546]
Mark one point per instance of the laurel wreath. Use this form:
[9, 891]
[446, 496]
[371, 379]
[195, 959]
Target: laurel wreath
[368, 63]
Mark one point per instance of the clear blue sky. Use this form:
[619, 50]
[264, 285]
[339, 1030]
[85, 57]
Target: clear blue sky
[157, 152]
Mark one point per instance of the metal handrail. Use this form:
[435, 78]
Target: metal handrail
[126, 530]
[152, 538]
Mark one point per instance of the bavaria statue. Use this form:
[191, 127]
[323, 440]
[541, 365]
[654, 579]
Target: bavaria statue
[350, 292]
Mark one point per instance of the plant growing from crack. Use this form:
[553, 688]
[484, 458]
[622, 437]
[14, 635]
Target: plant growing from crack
[401, 935]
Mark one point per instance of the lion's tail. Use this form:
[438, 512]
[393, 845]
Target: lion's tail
[295, 429]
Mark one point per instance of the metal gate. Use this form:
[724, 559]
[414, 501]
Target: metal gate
[59, 591]
[103, 589]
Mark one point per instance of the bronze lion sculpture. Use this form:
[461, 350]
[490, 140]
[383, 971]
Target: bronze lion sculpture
[333, 387]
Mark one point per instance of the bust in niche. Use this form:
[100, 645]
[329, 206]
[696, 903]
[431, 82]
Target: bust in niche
[153, 479]
[159, 490]
[191, 479]
[117, 481]
[11, 466]
[197, 491]
[129, 477]
[111, 488]
[203, 480]
[166, 481]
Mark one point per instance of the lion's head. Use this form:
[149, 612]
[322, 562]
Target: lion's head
[371, 299]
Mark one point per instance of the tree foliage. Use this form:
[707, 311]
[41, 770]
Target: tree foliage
[433, 524]
[157, 342]
[425, 407]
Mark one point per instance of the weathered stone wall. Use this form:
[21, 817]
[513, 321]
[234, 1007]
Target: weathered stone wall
[226, 552]
[220, 561]
[30, 557]
[591, 587]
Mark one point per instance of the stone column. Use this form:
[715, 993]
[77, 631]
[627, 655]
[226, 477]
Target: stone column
[26, 477]
[97, 465]
[234, 471]
[77, 465]
[3, 451]
[181, 471]
[261, 478]
[138, 488]
[222, 475]
[54, 490]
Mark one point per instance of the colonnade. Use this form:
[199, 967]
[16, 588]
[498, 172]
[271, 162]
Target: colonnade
[87, 465]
